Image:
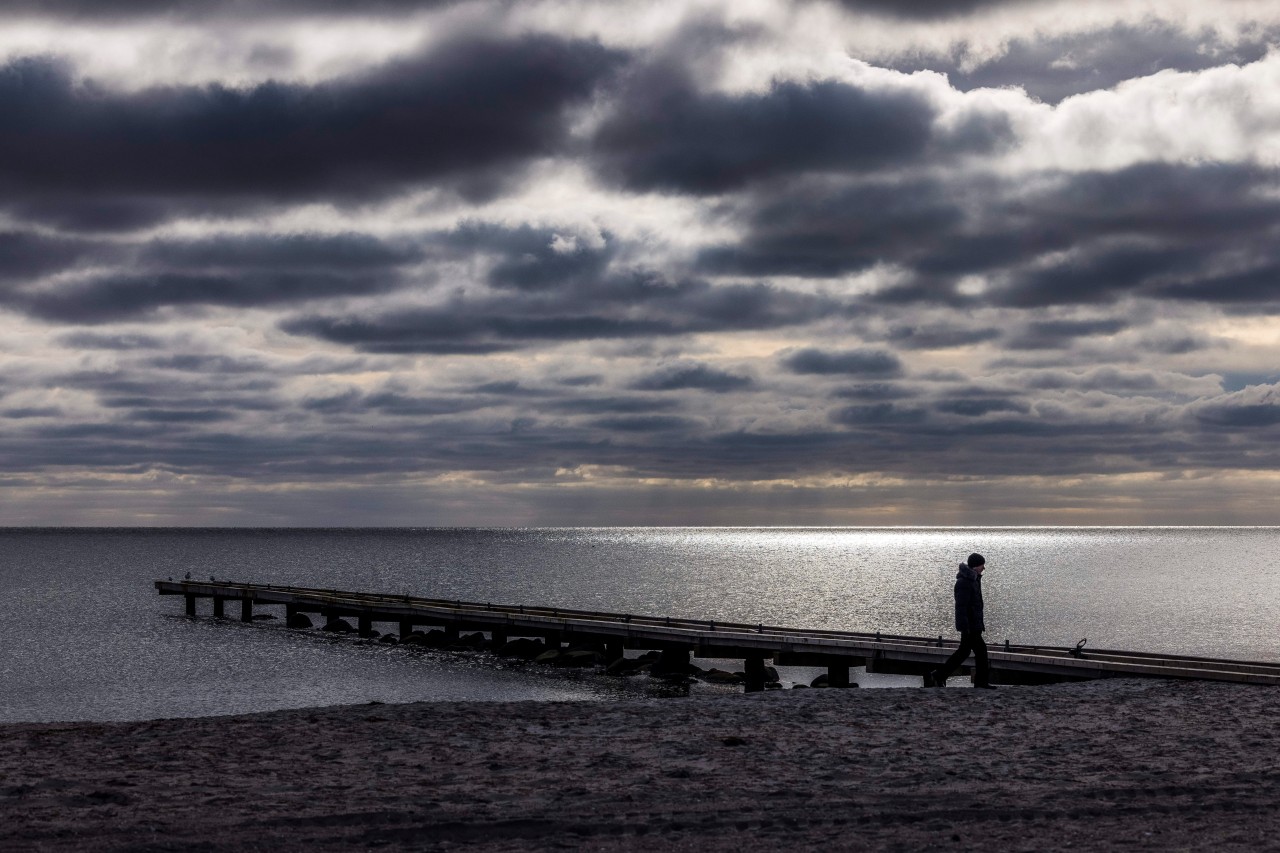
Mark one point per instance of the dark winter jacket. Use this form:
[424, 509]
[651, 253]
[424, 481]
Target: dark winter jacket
[969, 600]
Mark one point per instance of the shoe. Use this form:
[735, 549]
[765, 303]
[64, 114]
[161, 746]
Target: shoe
[933, 678]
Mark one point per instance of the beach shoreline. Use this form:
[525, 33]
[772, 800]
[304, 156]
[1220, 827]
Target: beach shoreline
[1101, 765]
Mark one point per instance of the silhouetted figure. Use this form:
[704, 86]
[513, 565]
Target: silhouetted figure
[969, 623]
[187, 576]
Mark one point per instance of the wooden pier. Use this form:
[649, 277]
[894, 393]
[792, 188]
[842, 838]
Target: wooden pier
[677, 640]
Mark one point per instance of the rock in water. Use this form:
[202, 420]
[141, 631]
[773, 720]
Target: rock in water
[720, 676]
[300, 620]
[522, 647]
[579, 657]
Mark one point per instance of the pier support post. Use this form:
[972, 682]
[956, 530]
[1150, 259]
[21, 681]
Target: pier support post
[217, 606]
[498, 637]
[451, 631]
[191, 605]
[672, 662]
[552, 639]
[246, 610]
[366, 625]
[406, 628]
[838, 674]
[612, 650]
[753, 669]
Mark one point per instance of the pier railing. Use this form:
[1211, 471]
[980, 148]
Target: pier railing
[677, 639]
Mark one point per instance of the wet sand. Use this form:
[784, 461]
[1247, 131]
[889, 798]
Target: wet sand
[1095, 766]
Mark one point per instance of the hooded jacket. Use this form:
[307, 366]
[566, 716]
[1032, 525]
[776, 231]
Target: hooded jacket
[969, 601]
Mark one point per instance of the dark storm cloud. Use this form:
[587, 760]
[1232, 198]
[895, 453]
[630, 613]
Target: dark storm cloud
[1256, 407]
[22, 413]
[879, 414]
[675, 377]
[236, 271]
[466, 328]
[1095, 277]
[528, 258]
[812, 230]
[1155, 230]
[25, 254]
[845, 362]
[182, 416]
[393, 403]
[925, 9]
[207, 363]
[666, 135]
[939, 336]
[542, 290]
[121, 296]
[644, 423]
[282, 251]
[132, 386]
[1051, 68]
[470, 112]
[1051, 334]
[872, 391]
[1108, 379]
[976, 407]
[1261, 284]
[613, 405]
[188, 10]
[486, 325]
[122, 341]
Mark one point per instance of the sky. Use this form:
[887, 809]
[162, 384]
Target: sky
[558, 262]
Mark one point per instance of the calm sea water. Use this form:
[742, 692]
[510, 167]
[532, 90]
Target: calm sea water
[85, 637]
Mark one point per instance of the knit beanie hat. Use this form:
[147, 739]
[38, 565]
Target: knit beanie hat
[976, 560]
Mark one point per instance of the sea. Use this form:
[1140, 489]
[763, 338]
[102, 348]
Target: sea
[85, 636]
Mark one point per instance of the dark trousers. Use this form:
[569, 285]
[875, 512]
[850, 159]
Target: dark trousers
[970, 641]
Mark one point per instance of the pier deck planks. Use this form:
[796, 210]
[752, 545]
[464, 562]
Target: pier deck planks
[706, 638]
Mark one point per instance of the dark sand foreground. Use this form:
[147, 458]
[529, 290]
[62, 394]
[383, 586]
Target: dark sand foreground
[1108, 765]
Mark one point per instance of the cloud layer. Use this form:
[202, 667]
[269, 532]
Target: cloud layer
[842, 262]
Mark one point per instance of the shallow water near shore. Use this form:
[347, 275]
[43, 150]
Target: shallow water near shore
[87, 638]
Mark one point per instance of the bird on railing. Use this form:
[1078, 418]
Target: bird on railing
[187, 576]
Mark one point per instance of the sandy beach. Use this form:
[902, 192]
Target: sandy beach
[1104, 765]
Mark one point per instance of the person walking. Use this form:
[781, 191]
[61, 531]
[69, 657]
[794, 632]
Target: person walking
[969, 623]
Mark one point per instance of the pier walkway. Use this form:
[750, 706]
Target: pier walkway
[678, 639]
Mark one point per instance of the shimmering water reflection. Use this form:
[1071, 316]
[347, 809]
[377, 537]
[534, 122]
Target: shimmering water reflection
[87, 638]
